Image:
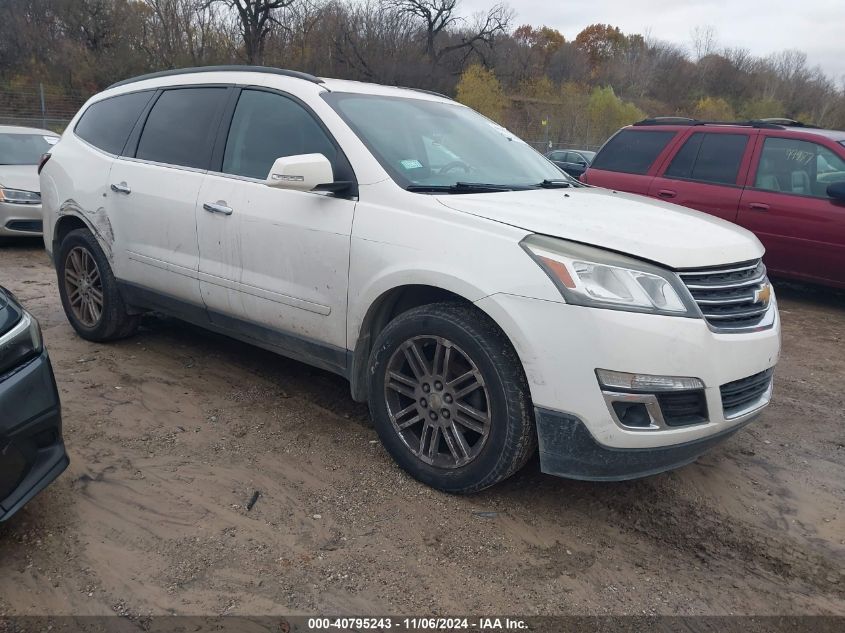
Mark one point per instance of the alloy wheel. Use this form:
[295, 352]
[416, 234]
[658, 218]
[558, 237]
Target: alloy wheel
[437, 401]
[84, 286]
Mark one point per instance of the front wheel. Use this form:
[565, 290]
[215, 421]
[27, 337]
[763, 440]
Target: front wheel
[449, 398]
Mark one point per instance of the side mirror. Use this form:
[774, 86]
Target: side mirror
[582, 163]
[303, 172]
[836, 191]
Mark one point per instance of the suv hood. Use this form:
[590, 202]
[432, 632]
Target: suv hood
[24, 177]
[635, 225]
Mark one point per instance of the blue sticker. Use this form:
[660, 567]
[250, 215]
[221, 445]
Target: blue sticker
[410, 163]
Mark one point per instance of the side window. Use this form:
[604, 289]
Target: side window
[800, 167]
[267, 126]
[708, 157]
[108, 123]
[180, 127]
[632, 151]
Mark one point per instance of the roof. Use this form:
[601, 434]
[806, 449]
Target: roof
[766, 124]
[332, 85]
[18, 129]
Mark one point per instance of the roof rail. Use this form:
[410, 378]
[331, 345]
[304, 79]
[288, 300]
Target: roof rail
[773, 123]
[428, 92]
[212, 69]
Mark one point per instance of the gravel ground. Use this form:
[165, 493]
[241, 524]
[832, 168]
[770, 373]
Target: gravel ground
[171, 433]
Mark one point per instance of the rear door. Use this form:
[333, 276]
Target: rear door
[706, 172]
[628, 160]
[154, 188]
[786, 205]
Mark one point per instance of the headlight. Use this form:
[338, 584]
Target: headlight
[596, 278]
[21, 342]
[18, 196]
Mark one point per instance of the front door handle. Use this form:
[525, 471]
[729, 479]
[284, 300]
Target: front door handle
[217, 207]
[121, 187]
[667, 193]
[759, 206]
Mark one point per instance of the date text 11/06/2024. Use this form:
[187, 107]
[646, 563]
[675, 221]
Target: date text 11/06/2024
[417, 624]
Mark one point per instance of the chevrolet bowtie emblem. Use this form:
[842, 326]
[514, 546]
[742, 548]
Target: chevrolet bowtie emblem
[763, 294]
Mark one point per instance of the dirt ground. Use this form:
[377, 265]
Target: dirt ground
[171, 432]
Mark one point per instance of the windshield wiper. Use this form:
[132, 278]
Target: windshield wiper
[463, 187]
[554, 184]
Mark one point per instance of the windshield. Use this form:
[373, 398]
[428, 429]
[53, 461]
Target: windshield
[430, 143]
[24, 149]
[588, 155]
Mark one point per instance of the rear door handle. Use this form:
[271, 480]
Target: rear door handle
[121, 187]
[217, 207]
[758, 206]
[667, 193]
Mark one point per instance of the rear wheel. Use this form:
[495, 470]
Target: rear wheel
[449, 398]
[88, 289]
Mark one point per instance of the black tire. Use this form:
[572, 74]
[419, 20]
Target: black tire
[113, 322]
[502, 393]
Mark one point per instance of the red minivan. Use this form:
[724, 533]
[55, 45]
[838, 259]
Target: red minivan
[778, 178]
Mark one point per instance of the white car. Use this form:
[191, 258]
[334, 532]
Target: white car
[478, 306]
[21, 149]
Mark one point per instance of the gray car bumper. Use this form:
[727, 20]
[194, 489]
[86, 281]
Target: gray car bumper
[32, 453]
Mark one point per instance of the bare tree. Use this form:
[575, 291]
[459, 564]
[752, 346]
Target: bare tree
[257, 18]
[437, 16]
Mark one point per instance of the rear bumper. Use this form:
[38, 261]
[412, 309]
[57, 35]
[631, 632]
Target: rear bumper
[568, 449]
[21, 219]
[32, 452]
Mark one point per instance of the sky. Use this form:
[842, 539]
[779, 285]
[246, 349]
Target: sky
[816, 27]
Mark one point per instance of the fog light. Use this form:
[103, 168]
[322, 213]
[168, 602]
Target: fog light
[645, 382]
[632, 414]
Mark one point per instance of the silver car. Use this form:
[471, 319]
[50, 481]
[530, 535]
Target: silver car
[21, 149]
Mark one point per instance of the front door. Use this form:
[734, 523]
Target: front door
[274, 263]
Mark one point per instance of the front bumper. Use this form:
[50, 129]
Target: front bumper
[32, 453]
[567, 449]
[20, 219]
[561, 346]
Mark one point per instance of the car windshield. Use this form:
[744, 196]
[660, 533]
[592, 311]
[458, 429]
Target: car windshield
[24, 149]
[433, 144]
[588, 155]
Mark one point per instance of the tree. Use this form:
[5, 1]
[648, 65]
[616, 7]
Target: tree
[256, 20]
[600, 42]
[714, 109]
[608, 113]
[480, 90]
[437, 16]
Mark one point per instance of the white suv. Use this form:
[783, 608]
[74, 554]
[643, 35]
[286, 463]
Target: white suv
[476, 297]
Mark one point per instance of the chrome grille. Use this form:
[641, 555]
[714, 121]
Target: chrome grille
[728, 295]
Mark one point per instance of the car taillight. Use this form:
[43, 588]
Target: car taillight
[43, 161]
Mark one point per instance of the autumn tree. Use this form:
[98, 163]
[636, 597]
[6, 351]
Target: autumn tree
[713, 109]
[600, 42]
[480, 90]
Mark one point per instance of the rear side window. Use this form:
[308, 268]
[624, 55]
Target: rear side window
[108, 123]
[708, 157]
[181, 126]
[632, 151]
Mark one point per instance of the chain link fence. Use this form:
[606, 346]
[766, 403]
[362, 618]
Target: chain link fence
[35, 105]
